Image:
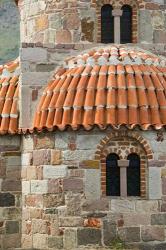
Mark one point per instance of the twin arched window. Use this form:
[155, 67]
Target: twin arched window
[114, 177]
[107, 24]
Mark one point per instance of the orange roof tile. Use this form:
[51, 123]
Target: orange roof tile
[109, 87]
[9, 86]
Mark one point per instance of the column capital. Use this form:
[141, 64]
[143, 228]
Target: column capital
[123, 163]
[117, 12]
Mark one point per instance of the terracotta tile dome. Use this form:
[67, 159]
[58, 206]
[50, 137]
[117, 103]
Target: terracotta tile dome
[108, 87]
[9, 88]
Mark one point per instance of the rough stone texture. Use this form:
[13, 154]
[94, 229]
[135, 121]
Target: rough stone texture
[154, 183]
[109, 232]
[92, 184]
[10, 193]
[88, 236]
[130, 234]
[151, 233]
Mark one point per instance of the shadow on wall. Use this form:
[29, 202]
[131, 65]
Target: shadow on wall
[9, 31]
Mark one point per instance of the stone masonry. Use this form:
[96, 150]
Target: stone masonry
[10, 192]
[63, 206]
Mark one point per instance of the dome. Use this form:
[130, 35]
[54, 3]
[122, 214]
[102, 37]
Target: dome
[113, 86]
[9, 89]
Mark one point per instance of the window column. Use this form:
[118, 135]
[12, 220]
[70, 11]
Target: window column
[117, 13]
[123, 164]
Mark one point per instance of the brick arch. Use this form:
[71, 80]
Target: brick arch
[136, 5]
[142, 141]
[142, 148]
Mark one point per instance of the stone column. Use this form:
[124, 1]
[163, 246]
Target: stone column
[117, 13]
[123, 164]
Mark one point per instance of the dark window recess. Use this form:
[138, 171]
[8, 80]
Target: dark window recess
[107, 24]
[112, 175]
[133, 175]
[126, 25]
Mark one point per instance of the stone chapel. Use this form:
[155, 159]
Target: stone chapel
[82, 127]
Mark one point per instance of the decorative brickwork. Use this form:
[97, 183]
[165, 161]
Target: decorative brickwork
[123, 144]
[136, 5]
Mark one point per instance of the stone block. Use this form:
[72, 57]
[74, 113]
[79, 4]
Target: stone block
[122, 205]
[152, 233]
[54, 172]
[34, 200]
[13, 161]
[11, 213]
[26, 187]
[154, 183]
[109, 232]
[41, 157]
[27, 142]
[73, 204]
[145, 27]
[54, 186]
[92, 184]
[86, 142]
[11, 185]
[96, 205]
[40, 226]
[158, 219]
[164, 186]
[26, 159]
[77, 155]
[73, 184]
[129, 234]
[31, 173]
[61, 141]
[34, 55]
[13, 172]
[40, 241]
[12, 227]
[39, 186]
[70, 221]
[26, 241]
[55, 242]
[35, 213]
[56, 157]
[63, 36]
[44, 141]
[146, 206]
[53, 200]
[159, 36]
[70, 238]
[7, 200]
[11, 241]
[86, 236]
[137, 218]
[90, 164]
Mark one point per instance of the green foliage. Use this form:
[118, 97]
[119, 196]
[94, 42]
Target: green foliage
[117, 244]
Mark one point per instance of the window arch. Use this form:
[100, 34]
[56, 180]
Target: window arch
[133, 175]
[107, 24]
[126, 24]
[112, 175]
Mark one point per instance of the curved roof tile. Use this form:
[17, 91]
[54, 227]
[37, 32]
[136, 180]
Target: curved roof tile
[109, 87]
[9, 88]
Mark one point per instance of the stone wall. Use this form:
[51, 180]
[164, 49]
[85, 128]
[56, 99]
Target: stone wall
[9, 30]
[79, 21]
[10, 192]
[62, 202]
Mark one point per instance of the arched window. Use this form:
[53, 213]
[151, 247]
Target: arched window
[126, 24]
[107, 24]
[112, 175]
[133, 175]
